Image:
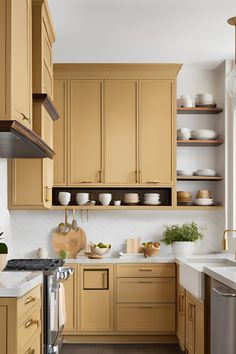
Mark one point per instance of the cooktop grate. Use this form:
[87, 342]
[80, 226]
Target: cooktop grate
[34, 264]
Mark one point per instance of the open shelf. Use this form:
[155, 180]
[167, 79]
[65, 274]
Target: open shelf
[196, 207]
[199, 110]
[199, 178]
[200, 143]
[135, 207]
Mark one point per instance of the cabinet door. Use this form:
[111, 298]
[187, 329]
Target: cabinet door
[85, 132]
[96, 299]
[190, 326]
[47, 70]
[47, 172]
[181, 316]
[3, 329]
[120, 131]
[21, 73]
[60, 133]
[156, 136]
[70, 286]
[199, 329]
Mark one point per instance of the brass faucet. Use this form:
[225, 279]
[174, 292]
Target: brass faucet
[225, 241]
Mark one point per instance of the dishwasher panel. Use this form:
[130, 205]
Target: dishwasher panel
[223, 319]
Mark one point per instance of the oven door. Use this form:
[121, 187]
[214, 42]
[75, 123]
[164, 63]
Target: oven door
[53, 329]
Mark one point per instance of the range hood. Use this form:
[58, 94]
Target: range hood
[17, 141]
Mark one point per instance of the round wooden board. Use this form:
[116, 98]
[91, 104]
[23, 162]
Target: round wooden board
[72, 242]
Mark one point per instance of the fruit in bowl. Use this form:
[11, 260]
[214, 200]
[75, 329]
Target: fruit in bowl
[100, 249]
[151, 249]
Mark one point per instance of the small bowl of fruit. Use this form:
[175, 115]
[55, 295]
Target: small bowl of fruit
[151, 249]
[100, 248]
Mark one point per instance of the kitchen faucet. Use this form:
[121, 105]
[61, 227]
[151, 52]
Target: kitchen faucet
[225, 240]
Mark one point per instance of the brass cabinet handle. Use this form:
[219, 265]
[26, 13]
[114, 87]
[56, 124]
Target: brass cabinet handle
[146, 282]
[145, 307]
[24, 117]
[29, 299]
[47, 198]
[180, 303]
[30, 351]
[31, 322]
[86, 182]
[100, 176]
[145, 270]
[155, 182]
[189, 312]
[136, 176]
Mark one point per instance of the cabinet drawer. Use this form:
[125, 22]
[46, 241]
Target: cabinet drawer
[145, 318]
[28, 301]
[95, 279]
[29, 328]
[146, 270]
[146, 290]
[34, 347]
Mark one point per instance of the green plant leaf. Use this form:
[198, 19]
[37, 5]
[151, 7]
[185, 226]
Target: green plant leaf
[180, 233]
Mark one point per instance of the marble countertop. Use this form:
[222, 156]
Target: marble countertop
[18, 283]
[125, 259]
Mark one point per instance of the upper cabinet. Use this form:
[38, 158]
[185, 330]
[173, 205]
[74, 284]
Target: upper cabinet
[16, 61]
[43, 37]
[120, 131]
[85, 132]
[120, 123]
[38, 193]
[156, 132]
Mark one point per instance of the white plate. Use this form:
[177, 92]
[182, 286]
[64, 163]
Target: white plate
[148, 203]
[204, 134]
[206, 172]
[185, 173]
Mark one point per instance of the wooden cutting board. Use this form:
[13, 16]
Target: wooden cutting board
[72, 242]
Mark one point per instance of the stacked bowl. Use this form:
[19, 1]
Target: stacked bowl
[184, 198]
[205, 100]
[131, 198]
[203, 198]
[152, 199]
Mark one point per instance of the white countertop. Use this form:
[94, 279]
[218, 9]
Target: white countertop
[18, 283]
[125, 259]
[225, 275]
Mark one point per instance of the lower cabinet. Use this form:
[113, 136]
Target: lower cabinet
[181, 316]
[21, 324]
[96, 298]
[194, 338]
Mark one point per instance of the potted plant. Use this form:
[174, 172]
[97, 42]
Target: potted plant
[3, 255]
[182, 237]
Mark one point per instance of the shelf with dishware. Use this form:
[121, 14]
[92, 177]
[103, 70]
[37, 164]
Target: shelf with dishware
[112, 198]
[199, 178]
[199, 110]
[200, 143]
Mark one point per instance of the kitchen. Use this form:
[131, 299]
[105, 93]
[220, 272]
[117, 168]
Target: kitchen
[27, 190]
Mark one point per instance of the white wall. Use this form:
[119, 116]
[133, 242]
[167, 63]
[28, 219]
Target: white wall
[32, 229]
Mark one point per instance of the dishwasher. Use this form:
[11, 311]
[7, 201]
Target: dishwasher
[223, 319]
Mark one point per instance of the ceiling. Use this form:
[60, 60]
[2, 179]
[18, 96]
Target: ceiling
[195, 33]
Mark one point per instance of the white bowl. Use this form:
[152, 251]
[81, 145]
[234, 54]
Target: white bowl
[203, 201]
[185, 173]
[206, 172]
[203, 134]
[147, 202]
[64, 198]
[204, 98]
[82, 198]
[99, 251]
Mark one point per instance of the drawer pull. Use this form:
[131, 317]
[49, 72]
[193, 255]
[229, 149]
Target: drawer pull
[145, 282]
[29, 299]
[31, 322]
[24, 117]
[153, 182]
[145, 307]
[145, 270]
[30, 351]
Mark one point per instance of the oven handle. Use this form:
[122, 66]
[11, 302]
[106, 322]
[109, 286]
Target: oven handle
[223, 294]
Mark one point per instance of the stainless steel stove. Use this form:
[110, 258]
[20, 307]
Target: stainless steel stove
[53, 272]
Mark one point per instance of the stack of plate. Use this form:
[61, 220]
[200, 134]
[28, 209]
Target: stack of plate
[152, 199]
[204, 134]
[206, 172]
[185, 173]
[131, 198]
[184, 198]
[205, 100]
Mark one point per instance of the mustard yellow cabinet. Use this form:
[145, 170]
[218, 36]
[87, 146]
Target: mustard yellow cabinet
[16, 61]
[43, 37]
[156, 144]
[181, 315]
[96, 298]
[85, 132]
[194, 340]
[21, 324]
[121, 131]
[60, 175]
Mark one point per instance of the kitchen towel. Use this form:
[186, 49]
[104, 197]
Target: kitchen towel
[62, 306]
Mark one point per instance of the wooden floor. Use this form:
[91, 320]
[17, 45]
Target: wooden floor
[120, 349]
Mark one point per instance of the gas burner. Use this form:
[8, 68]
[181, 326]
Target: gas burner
[34, 264]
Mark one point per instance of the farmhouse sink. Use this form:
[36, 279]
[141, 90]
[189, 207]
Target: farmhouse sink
[191, 273]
